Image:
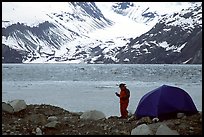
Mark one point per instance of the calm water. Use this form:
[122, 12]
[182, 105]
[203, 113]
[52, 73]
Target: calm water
[78, 87]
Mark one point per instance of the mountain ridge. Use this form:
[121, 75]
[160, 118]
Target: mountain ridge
[65, 36]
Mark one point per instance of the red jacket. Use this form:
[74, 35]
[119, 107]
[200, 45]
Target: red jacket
[124, 96]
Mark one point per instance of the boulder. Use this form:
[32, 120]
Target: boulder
[53, 124]
[163, 129]
[93, 115]
[52, 118]
[7, 107]
[142, 129]
[17, 105]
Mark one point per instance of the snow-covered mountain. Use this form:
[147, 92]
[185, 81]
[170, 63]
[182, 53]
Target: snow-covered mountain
[52, 30]
[100, 32]
[176, 38]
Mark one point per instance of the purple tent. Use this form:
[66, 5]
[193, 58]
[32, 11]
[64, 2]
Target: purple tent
[165, 100]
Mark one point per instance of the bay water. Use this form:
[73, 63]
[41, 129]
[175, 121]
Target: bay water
[81, 87]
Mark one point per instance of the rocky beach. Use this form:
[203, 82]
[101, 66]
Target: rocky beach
[45, 119]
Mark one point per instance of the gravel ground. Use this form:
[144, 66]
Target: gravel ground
[26, 121]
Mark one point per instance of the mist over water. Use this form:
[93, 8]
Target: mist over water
[81, 87]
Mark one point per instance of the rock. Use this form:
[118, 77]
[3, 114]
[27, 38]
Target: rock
[132, 118]
[191, 132]
[12, 133]
[177, 122]
[38, 131]
[184, 117]
[180, 115]
[154, 126]
[170, 123]
[105, 127]
[8, 131]
[37, 119]
[163, 129]
[66, 119]
[116, 132]
[52, 124]
[52, 118]
[142, 129]
[7, 107]
[155, 120]
[33, 132]
[81, 125]
[183, 126]
[93, 115]
[18, 105]
[144, 120]
[124, 133]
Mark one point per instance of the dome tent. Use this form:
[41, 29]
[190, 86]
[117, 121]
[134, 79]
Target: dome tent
[165, 101]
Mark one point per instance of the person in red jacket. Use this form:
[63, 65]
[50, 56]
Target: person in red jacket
[124, 100]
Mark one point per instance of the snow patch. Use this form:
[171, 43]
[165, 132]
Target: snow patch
[163, 44]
